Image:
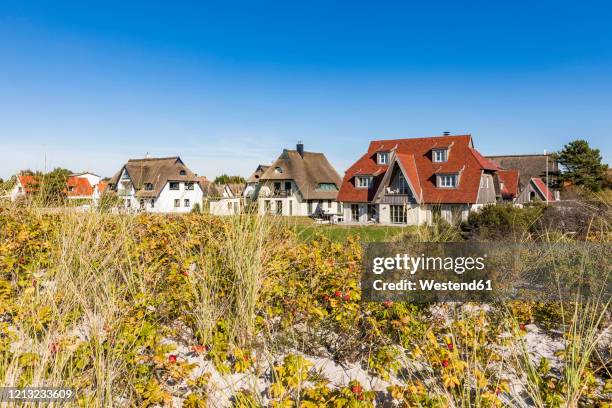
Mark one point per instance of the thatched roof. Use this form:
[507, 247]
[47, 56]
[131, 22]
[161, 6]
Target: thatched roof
[308, 172]
[154, 171]
[529, 165]
[261, 169]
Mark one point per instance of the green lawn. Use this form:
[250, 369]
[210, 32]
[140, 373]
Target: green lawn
[306, 229]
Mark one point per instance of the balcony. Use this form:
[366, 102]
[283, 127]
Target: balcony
[282, 193]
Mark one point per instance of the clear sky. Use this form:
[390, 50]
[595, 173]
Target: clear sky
[228, 85]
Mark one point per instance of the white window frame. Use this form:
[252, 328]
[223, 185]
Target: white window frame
[187, 203]
[363, 181]
[403, 187]
[444, 180]
[484, 182]
[177, 203]
[189, 186]
[399, 214]
[380, 156]
[439, 159]
[178, 186]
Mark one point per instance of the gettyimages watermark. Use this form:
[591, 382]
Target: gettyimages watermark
[485, 272]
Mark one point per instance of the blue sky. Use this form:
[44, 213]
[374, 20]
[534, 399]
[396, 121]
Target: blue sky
[228, 85]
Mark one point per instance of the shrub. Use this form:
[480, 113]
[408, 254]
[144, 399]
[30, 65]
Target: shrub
[505, 222]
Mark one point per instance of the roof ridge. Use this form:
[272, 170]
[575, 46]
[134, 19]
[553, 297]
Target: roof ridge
[420, 138]
[154, 158]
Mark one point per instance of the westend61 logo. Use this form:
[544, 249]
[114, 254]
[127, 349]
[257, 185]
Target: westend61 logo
[473, 271]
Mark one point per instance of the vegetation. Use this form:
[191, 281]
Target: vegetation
[225, 179]
[192, 310]
[582, 166]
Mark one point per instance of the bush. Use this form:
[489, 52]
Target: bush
[505, 222]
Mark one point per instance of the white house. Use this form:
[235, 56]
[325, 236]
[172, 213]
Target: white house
[228, 199]
[252, 184]
[163, 185]
[299, 183]
[24, 184]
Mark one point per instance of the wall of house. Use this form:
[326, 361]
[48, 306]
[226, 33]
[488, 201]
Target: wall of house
[529, 193]
[225, 206]
[486, 191]
[165, 201]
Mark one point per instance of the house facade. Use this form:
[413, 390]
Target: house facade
[160, 185]
[82, 186]
[416, 181]
[24, 184]
[228, 200]
[298, 183]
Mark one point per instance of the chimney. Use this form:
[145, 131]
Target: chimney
[300, 148]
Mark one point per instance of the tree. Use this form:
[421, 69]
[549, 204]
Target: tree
[582, 165]
[225, 179]
[53, 186]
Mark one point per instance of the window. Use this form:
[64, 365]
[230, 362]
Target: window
[399, 214]
[189, 186]
[267, 206]
[229, 206]
[141, 204]
[152, 203]
[71, 188]
[174, 185]
[277, 186]
[382, 158]
[363, 181]
[402, 185]
[440, 155]
[447, 180]
[182, 172]
[355, 212]
[287, 186]
[278, 170]
[327, 187]
[186, 202]
[149, 186]
[177, 202]
[290, 207]
[484, 182]
[279, 207]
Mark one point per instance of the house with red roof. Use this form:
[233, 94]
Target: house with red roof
[415, 181]
[24, 184]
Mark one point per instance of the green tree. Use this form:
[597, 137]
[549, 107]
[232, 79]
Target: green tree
[53, 186]
[582, 165]
[225, 179]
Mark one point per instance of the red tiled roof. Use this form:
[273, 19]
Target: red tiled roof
[510, 179]
[484, 162]
[409, 166]
[102, 186]
[28, 182]
[78, 187]
[543, 188]
[462, 159]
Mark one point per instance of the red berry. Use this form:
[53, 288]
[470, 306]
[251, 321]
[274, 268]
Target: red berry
[185, 273]
[346, 297]
[522, 327]
[445, 363]
[497, 391]
[356, 389]
[172, 358]
[338, 294]
[361, 397]
[326, 298]
[450, 346]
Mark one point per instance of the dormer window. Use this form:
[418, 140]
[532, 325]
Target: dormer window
[447, 180]
[182, 172]
[440, 155]
[382, 157]
[363, 181]
[148, 186]
[278, 170]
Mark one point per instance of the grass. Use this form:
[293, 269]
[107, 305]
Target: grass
[306, 230]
